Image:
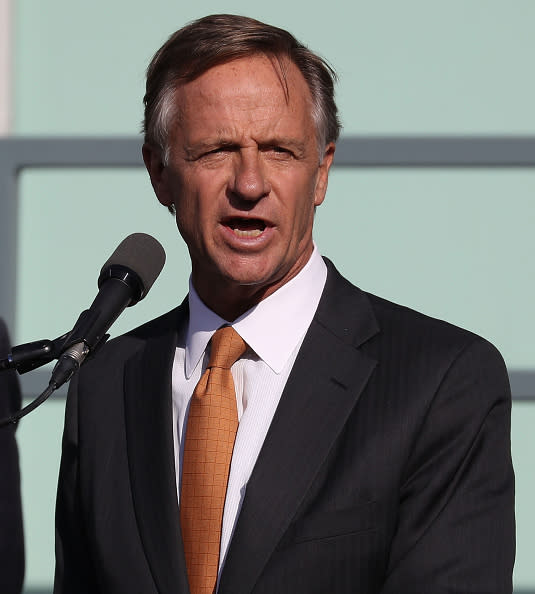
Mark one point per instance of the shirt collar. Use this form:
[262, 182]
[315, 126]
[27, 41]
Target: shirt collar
[273, 328]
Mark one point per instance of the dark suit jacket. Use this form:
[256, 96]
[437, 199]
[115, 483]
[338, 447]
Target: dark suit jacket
[11, 536]
[386, 468]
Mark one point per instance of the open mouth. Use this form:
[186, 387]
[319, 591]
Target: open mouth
[245, 228]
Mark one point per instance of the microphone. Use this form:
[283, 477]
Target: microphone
[124, 280]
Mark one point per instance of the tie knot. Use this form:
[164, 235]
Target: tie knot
[227, 346]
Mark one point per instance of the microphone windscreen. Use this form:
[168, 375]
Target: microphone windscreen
[140, 253]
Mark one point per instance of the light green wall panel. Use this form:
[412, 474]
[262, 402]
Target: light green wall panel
[39, 438]
[416, 66]
[70, 223]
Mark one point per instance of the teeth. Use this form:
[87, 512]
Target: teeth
[247, 232]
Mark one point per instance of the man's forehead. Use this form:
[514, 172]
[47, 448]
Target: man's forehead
[276, 73]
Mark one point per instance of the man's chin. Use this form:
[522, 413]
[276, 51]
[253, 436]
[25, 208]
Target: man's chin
[249, 272]
[251, 281]
[252, 274]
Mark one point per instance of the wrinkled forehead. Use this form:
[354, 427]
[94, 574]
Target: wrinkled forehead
[265, 74]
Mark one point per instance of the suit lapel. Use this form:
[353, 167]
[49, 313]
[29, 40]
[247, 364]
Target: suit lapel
[325, 383]
[149, 433]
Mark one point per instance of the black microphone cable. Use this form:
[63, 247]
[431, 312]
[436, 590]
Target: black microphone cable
[14, 419]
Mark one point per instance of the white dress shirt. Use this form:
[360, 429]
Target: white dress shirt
[274, 330]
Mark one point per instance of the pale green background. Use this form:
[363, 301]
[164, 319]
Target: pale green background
[457, 244]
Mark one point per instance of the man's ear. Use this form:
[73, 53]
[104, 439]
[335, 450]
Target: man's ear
[153, 159]
[323, 173]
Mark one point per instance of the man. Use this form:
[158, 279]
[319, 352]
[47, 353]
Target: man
[372, 452]
[11, 535]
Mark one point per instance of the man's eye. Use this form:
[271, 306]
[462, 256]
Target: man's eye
[213, 152]
[280, 151]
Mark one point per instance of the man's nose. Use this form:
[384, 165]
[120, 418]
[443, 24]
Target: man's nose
[250, 181]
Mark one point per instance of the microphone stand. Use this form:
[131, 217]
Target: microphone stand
[32, 355]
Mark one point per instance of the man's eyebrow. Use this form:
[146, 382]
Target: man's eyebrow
[285, 142]
[293, 144]
[207, 145]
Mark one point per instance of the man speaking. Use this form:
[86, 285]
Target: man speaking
[281, 431]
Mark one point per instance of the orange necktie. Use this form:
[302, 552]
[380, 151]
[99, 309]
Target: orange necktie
[210, 434]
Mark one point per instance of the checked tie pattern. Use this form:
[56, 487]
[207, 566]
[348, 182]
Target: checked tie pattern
[210, 435]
